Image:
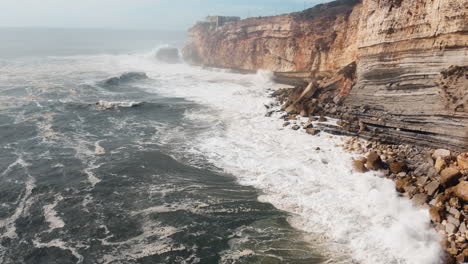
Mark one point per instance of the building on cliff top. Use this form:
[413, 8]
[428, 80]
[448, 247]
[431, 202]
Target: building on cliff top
[221, 20]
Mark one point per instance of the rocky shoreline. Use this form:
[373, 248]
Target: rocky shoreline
[434, 179]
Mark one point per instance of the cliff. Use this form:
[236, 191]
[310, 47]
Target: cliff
[393, 70]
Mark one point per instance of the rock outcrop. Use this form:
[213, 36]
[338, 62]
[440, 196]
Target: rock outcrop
[393, 70]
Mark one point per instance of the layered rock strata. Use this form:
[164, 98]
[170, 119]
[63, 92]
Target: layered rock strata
[393, 70]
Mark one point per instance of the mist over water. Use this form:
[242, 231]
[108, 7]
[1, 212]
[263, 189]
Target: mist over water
[175, 164]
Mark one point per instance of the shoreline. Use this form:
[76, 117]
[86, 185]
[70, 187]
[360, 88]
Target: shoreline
[433, 179]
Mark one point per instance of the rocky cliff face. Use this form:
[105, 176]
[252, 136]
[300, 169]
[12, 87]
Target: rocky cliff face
[396, 68]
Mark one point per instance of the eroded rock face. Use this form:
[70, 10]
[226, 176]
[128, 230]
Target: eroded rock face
[400, 67]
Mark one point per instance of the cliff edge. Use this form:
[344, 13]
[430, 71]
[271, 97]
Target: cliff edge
[392, 70]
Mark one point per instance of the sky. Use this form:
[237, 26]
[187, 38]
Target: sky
[135, 14]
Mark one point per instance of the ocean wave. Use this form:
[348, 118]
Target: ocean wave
[125, 78]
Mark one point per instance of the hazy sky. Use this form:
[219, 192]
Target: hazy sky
[148, 14]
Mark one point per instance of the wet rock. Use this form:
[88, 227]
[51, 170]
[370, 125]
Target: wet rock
[358, 165]
[295, 127]
[440, 164]
[420, 199]
[431, 188]
[322, 119]
[312, 131]
[303, 113]
[285, 124]
[437, 214]
[462, 161]
[461, 191]
[441, 153]
[398, 166]
[449, 176]
[374, 162]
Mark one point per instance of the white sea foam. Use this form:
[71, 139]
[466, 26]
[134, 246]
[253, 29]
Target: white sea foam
[105, 105]
[59, 244]
[361, 213]
[50, 214]
[23, 203]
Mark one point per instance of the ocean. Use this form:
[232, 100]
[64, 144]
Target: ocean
[108, 155]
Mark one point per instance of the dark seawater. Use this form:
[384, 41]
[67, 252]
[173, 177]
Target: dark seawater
[81, 183]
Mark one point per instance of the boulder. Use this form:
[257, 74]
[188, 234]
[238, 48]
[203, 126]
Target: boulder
[432, 187]
[303, 113]
[441, 153]
[440, 164]
[373, 161]
[397, 166]
[420, 199]
[168, 55]
[461, 191]
[285, 124]
[437, 214]
[358, 165]
[312, 131]
[295, 127]
[453, 220]
[400, 184]
[449, 176]
[421, 181]
[462, 161]
[450, 228]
